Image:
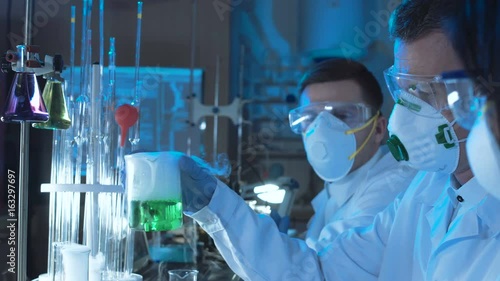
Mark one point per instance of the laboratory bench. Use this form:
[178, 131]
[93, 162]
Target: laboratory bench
[211, 268]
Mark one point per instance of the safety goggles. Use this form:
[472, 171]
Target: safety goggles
[466, 98]
[353, 114]
[429, 89]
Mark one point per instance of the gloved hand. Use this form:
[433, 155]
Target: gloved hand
[197, 183]
[283, 223]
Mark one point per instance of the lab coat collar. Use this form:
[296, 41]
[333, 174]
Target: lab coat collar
[488, 211]
[359, 172]
[320, 200]
[479, 208]
[481, 217]
[345, 188]
[470, 194]
[430, 187]
[438, 216]
[345, 183]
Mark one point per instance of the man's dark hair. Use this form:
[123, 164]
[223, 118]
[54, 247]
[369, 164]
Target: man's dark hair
[339, 69]
[472, 26]
[414, 19]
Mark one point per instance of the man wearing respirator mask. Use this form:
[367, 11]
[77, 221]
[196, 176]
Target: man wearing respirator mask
[474, 93]
[342, 129]
[444, 227]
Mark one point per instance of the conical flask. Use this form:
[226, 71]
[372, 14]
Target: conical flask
[53, 96]
[24, 102]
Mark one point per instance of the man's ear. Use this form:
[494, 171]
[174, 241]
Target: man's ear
[380, 129]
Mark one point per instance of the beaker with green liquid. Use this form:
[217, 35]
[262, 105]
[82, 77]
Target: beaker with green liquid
[154, 191]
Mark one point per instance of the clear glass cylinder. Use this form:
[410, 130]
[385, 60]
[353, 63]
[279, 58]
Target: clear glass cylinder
[75, 262]
[183, 275]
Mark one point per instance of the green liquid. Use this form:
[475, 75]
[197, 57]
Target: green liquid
[155, 215]
[53, 96]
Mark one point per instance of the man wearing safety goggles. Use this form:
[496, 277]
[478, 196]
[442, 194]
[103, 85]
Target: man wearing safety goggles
[475, 106]
[474, 93]
[474, 97]
[342, 129]
[444, 221]
[437, 230]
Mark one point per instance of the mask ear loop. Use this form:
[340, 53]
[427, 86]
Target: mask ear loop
[452, 123]
[374, 120]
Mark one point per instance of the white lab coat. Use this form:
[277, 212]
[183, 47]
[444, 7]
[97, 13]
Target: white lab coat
[414, 238]
[355, 200]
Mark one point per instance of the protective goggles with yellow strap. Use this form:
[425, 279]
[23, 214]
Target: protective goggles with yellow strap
[353, 114]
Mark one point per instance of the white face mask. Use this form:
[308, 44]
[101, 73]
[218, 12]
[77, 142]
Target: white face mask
[484, 157]
[422, 136]
[331, 146]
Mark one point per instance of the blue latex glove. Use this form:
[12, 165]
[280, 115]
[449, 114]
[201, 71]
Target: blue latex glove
[197, 183]
[283, 223]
